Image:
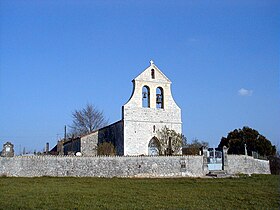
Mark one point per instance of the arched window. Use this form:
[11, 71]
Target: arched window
[159, 98]
[146, 97]
[153, 74]
[154, 147]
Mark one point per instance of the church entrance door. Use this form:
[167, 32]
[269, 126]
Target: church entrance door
[153, 147]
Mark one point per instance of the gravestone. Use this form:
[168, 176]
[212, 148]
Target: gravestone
[225, 158]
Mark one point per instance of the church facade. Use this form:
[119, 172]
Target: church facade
[150, 108]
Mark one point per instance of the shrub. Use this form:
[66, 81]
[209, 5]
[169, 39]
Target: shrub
[106, 148]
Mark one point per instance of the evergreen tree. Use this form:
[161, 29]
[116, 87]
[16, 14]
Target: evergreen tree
[254, 141]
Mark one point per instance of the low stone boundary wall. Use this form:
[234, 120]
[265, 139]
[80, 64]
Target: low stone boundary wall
[247, 165]
[142, 166]
[123, 166]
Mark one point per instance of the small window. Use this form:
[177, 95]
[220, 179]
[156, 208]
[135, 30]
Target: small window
[146, 97]
[153, 73]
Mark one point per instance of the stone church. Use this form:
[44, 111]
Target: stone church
[150, 108]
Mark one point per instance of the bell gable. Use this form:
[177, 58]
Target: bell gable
[152, 74]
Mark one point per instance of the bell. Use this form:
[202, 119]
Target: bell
[159, 99]
[144, 95]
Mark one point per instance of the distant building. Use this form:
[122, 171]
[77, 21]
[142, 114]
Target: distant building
[150, 108]
[8, 150]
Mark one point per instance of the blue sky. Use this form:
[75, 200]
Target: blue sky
[57, 56]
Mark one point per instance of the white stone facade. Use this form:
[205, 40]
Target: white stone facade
[142, 123]
[139, 125]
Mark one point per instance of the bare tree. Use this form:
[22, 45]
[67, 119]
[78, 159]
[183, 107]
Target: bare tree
[87, 120]
[194, 147]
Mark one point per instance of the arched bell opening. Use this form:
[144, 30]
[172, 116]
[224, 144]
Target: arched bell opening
[159, 98]
[146, 97]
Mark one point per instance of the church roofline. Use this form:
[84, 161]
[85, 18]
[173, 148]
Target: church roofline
[105, 127]
[153, 66]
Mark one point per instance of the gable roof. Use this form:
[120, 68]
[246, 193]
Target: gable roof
[146, 75]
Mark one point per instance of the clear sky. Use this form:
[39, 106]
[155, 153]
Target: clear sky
[56, 56]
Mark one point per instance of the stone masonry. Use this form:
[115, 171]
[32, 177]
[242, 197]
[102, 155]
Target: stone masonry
[123, 166]
[140, 166]
[142, 123]
[112, 133]
[139, 125]
[247, 165]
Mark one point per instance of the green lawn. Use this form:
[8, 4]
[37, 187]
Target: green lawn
[255, 192]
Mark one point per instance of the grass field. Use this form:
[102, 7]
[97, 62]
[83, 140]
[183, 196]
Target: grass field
[255, 192]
